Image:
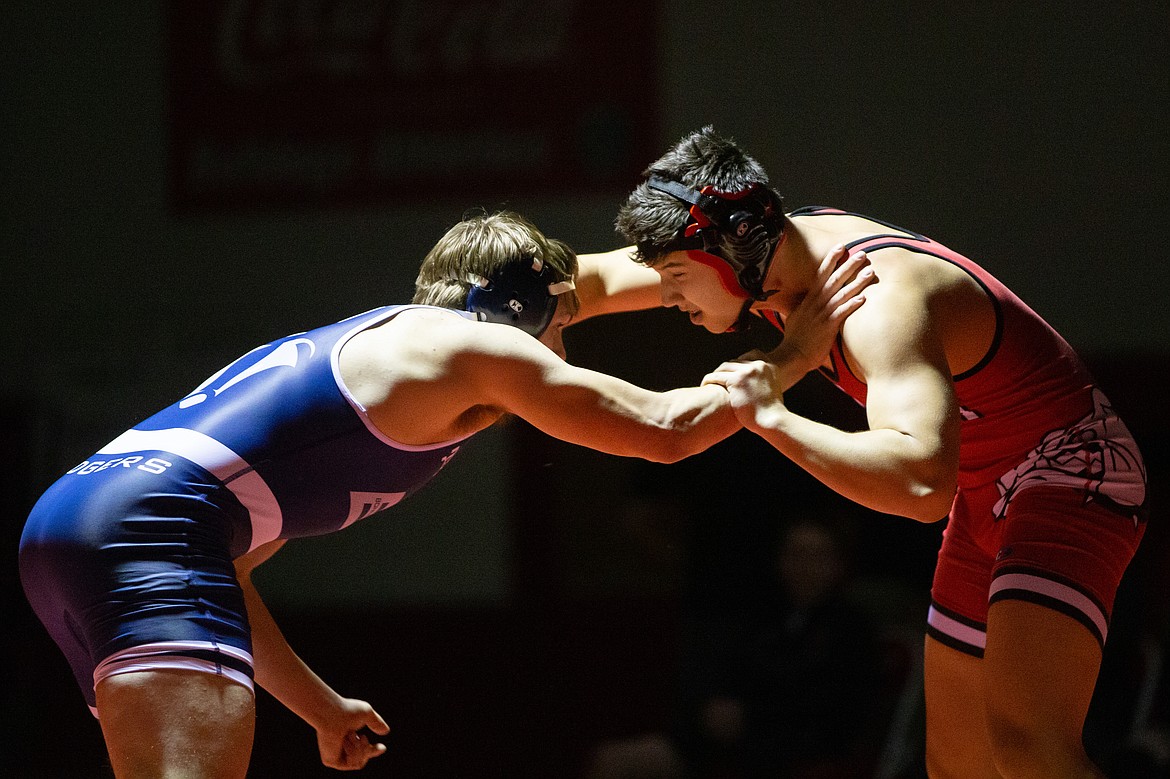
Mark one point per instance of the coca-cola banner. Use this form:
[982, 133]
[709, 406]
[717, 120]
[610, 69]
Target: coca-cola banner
[295, 102]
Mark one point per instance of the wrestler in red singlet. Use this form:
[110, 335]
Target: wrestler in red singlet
[1051, 483]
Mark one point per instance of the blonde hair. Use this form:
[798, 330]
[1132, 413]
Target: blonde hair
[480, 245]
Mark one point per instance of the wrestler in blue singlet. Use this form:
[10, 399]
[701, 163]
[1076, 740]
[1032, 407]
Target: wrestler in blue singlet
[127, 558]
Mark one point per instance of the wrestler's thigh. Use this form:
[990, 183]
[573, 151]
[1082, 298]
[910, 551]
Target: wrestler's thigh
[1061, 552]
[177, 722]
[957, 745]
[1040, 668]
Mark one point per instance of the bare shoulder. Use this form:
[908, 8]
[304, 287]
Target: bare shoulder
[920, 297]
[903, 290]
[417, 338]
[896, 324]
[410, 375]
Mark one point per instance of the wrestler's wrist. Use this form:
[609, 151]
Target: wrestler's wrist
[763, 417]
[791, 363]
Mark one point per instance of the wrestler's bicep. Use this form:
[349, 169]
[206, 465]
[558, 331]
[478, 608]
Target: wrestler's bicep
[898, 354]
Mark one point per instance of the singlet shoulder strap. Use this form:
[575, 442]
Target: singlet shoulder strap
[814, 210]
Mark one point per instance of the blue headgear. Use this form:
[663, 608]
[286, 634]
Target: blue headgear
[521, 294]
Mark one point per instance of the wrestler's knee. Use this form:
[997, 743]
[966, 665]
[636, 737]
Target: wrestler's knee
[1025, 746]
[1014, 745]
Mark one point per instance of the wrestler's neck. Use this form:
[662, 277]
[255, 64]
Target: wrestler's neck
[794, 267]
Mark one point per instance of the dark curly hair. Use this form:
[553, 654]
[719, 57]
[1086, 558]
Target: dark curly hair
[651, 219]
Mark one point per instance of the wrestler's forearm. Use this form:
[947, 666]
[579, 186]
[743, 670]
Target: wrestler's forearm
[612, 282]
[886, 470]
[279, 670]
[791, 363]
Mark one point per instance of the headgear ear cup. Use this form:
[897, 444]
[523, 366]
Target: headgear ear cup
[521, 294]
[748, 244]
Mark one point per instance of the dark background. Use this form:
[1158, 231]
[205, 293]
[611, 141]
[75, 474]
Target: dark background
[164, 207]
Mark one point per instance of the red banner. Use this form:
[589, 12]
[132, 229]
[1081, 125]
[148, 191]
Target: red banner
[286, 102]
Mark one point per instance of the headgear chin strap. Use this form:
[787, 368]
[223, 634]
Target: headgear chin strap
[521, 294]
[741, 228]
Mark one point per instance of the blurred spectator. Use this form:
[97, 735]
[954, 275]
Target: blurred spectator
[785, 688]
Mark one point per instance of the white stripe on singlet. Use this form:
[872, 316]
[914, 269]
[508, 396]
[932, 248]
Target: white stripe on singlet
[165, 654]
[1056, 591]
[227, 466]
[957, 630]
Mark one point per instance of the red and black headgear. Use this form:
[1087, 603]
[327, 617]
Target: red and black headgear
[741, 228]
